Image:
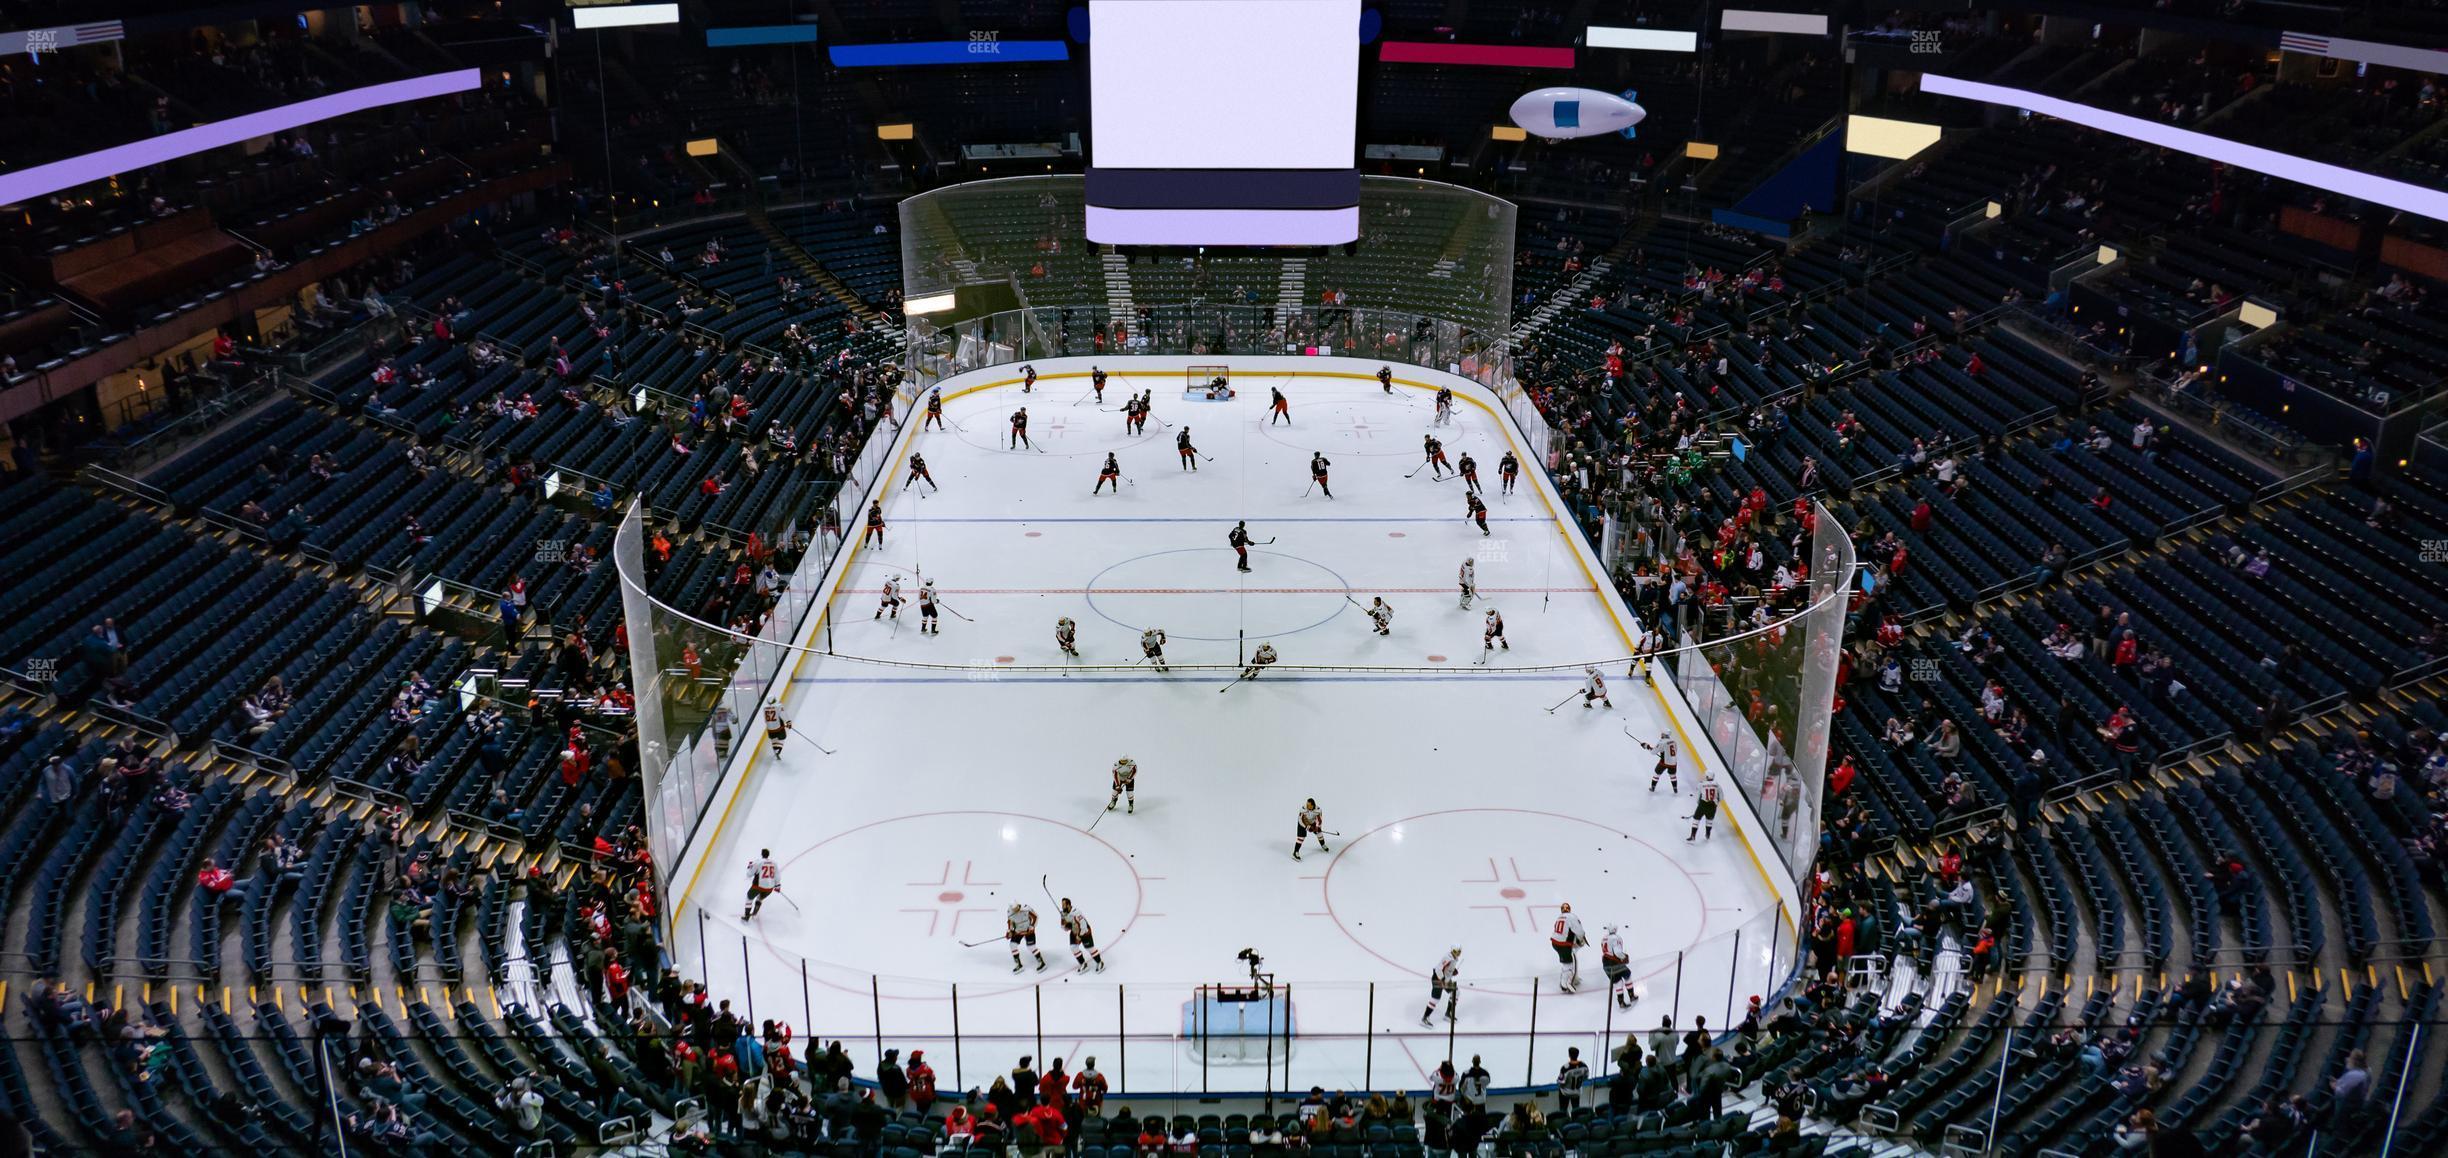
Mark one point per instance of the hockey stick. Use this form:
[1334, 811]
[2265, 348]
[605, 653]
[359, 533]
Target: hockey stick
[1042, 878]
[1562, 702]
[786, 898]
[811, 740]
[948, 607]
[1417, 469]
[1312, 486]
[975, 944]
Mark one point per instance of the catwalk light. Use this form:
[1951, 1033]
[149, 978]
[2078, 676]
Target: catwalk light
[1791, 23]
[625, 16]
[1642, 39]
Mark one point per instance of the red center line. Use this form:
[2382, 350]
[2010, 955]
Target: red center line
[1448, 590]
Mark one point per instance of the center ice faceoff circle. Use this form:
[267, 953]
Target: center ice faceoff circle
[1187, 592]
[1492, 879]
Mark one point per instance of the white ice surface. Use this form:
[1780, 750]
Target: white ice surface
[1468, 812]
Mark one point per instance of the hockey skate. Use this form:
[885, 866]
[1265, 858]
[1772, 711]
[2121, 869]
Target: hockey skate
[1015, 964]
[1041, 964]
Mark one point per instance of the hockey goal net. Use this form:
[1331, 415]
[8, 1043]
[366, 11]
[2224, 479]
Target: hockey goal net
[1203, 382]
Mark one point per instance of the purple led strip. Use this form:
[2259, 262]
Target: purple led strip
[90, 167]
[2431, 203]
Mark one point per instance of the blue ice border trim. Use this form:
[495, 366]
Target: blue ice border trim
[946, 52]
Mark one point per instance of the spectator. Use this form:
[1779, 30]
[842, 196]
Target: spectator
[220, 884]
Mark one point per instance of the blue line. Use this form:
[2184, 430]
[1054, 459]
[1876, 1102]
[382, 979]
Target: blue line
[1217, 519]
[987, 676]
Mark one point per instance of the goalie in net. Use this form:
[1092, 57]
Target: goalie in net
[1208, 384]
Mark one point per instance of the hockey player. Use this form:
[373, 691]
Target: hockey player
[1111, 472]
[1434, 451]
[1028, 378]
[927, 623]
[1443, 982]
[1492, 636]
[1704, 813]
[1151, 645]
[1565, 937]
[1182, 446]
[1381, 615]
[1665, 766]
[1594, 689]
[1239, 537]
[764, 880]
[1317, 471]
[1019, 430]
[934, 413]
[1020, 924]
[1066, 636]
[892, 599]
[1259, 661]
[1083, 938]
[1469, 579]
[1125, 785]
[875, 524]
[1278, 407]
[1652, 641]
[776, 728]
[1096, 380]
[1472, 508]
[1507, 469]
[1618, 966]
[1444, 405]
[1310, 822]
[1468, 467]
[918, 470]
[1385, 378]
[1134, 416]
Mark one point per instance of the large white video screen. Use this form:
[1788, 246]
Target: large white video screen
[1223, 84]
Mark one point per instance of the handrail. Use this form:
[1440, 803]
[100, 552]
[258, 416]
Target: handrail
[240, 754]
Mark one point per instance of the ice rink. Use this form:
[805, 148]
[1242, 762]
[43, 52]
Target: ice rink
[1464, 811]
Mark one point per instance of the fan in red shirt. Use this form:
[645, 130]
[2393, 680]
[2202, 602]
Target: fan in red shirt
[1045, 1123]
[1089, 1086]
[922, 1081]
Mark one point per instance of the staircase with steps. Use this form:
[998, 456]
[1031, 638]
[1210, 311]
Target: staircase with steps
[1576, 290]
[1293, 291]
[1118, 286]
[816, 272]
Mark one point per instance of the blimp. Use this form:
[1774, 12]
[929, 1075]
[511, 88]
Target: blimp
[1562, 113]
